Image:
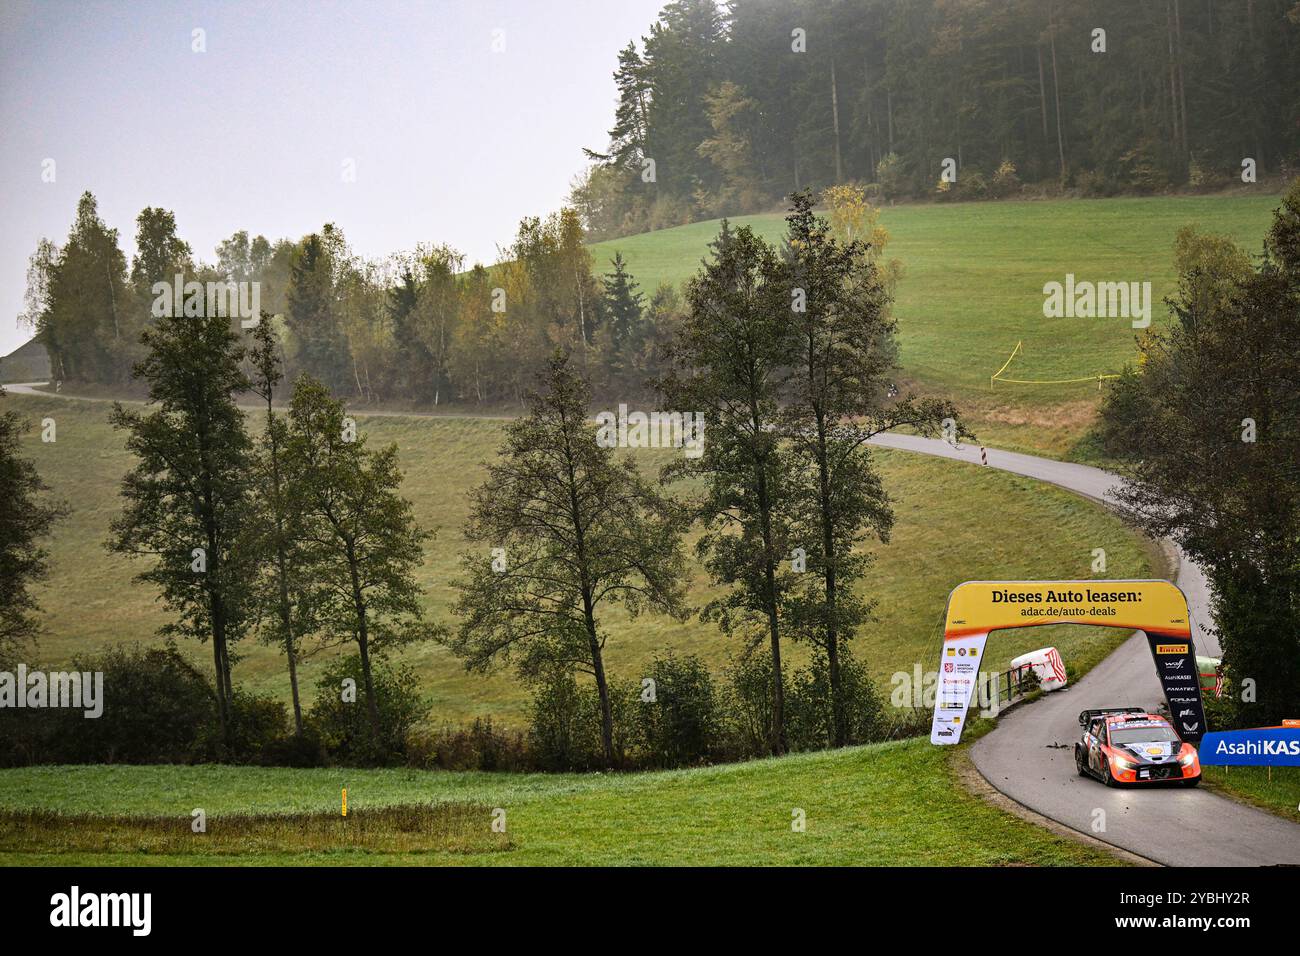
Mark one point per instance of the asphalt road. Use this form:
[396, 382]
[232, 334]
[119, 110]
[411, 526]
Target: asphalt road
[1029, 756]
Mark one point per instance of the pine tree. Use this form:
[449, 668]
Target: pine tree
[623, 305]
[321, 348]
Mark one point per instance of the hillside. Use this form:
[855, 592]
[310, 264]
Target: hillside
[973, 287]
[954, 522]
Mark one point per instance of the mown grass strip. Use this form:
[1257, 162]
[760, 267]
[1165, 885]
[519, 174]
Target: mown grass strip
[461, 828]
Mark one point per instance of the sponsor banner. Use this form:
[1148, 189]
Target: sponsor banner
[958, 677]
[1262, 746]
[984, 606]
[1175, 659]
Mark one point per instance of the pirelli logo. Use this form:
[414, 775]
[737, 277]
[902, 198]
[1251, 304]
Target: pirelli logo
[1171, 648]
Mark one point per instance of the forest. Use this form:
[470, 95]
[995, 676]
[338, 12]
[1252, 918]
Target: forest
[725, 110]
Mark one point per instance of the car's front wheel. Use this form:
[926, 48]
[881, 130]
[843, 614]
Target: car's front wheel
[1191, 781]
[1106, 777]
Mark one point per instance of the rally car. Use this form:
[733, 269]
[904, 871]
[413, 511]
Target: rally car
[1128, 745]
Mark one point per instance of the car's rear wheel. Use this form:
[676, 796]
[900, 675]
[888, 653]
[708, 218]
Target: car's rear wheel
[1078, 761]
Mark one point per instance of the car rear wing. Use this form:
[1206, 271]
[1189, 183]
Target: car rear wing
[1087, 716]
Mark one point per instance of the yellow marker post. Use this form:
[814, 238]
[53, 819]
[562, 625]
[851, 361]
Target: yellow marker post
[345, 801]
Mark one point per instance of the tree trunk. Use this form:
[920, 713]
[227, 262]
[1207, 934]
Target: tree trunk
[363, 640]
[835, 118]
[221, 690]
[839, 722]
[1056, 93]
[1182, 88]
[1042, 91]
[1179, 120]
[777, 741]
[282, 570]
[889, 111]
[589, 610]
[602, 685]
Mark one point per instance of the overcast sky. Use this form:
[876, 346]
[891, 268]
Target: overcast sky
[452, 142]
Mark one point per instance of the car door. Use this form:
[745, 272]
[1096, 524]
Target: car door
[1096, 736]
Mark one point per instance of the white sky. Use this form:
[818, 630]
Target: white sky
[452, 142]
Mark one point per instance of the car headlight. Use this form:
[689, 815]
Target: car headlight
[1188, 758]
[1124, 764]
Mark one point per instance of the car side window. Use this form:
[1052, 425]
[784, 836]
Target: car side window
[1098, 730]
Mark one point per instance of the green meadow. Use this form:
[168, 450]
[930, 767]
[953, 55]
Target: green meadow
[883, 804]
[972, 288]
[954, 522]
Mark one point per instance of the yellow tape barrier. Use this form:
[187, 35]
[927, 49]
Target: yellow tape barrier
[996, 376]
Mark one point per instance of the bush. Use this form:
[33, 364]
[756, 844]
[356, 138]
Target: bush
[344, 727]
[972, 184]
[679, 727]
[809, 715]
[747, 707]
[891, 176]
[1141, 169]
[480, 746]
[1095, 184]
[258, 725]
[563, 726]
[1006, 182]
[157, 709]
[294, 750]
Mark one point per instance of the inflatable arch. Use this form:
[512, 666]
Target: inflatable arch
[977, 608]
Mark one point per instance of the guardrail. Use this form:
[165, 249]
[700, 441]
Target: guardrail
[1014, 683]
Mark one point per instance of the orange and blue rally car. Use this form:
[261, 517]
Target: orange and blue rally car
[1122, 745]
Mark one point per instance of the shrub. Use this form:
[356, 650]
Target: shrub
[1140, 169]
[295, 750]
[1095, 184]
[157, 708]
[1006, 182]
[891, 176]
[563, 727]
[971, 184]
[480, 746]
[344, 725]
[257, 726]
[679, 726]
[809, 714]
[747, 707]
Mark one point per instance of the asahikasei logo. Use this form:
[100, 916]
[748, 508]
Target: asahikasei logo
[1260, 746]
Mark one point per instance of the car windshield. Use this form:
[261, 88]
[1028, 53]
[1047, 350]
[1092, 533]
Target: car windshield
[1151, 733]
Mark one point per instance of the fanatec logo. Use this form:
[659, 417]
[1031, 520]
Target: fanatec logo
[74, 908]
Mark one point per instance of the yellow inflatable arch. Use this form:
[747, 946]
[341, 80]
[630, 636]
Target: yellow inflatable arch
[977, 608]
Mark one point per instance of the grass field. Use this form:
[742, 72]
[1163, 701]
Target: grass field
[882, 804]
[973, 287]
[954, 522]
[1278, 792]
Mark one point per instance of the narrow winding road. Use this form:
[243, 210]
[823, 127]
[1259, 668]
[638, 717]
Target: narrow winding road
[1029, 755]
